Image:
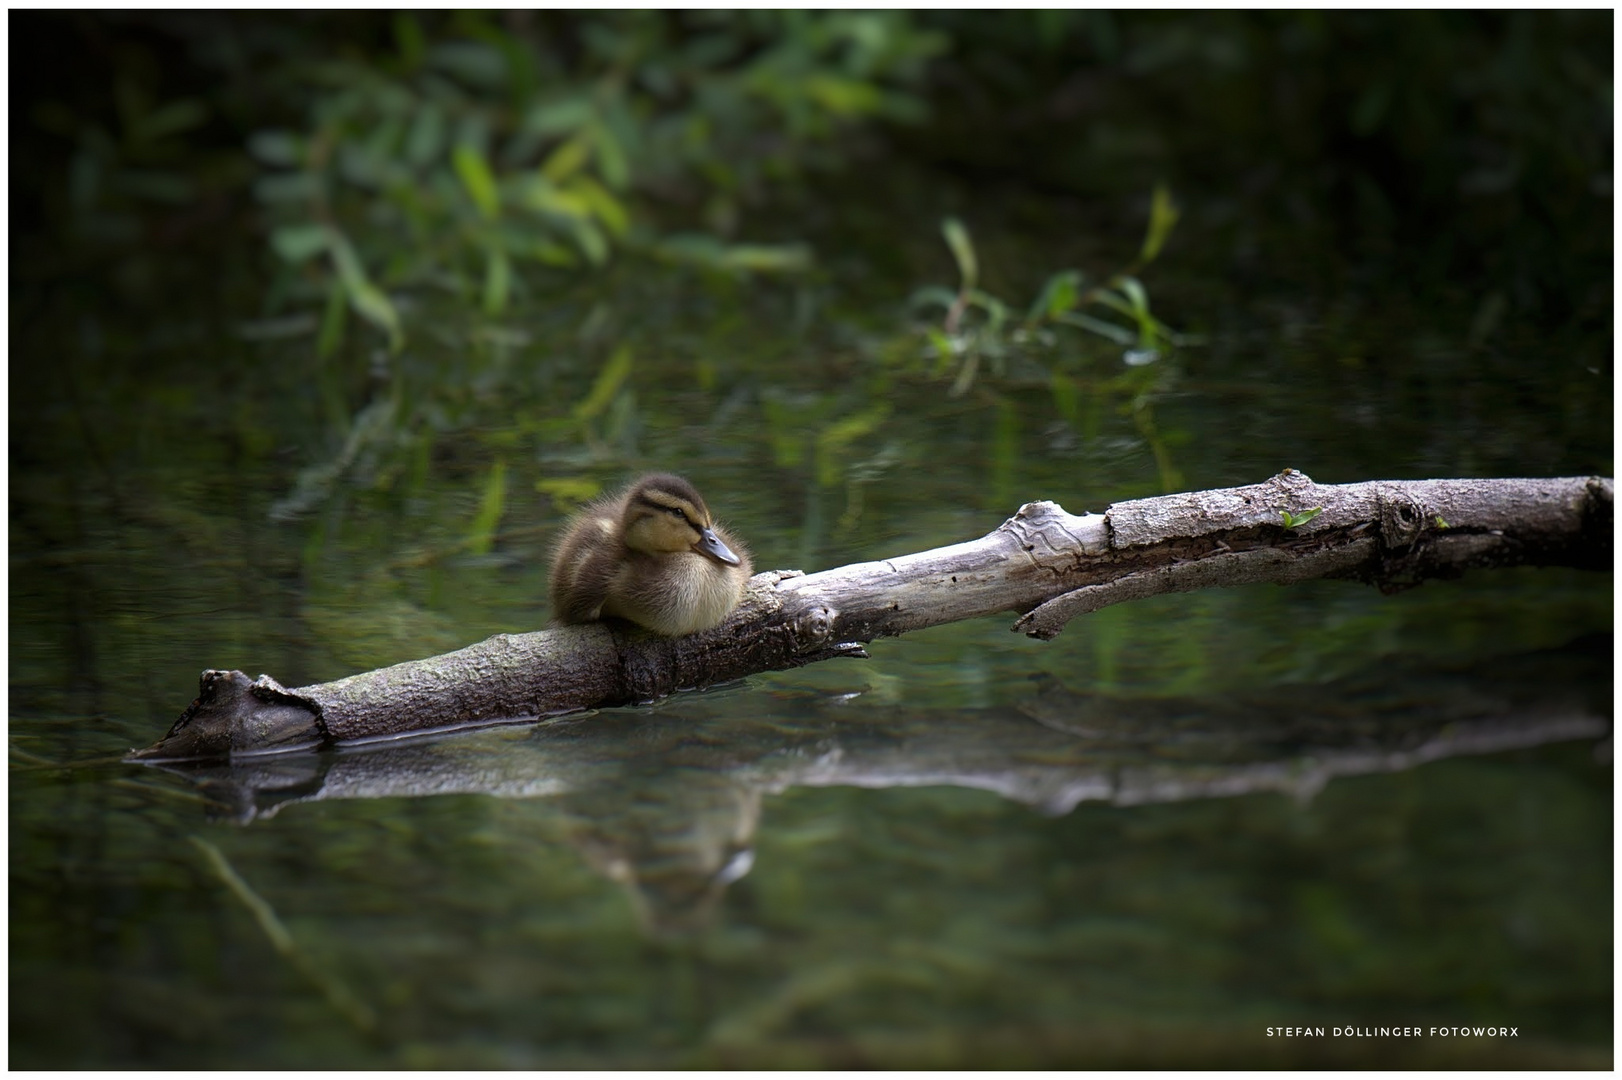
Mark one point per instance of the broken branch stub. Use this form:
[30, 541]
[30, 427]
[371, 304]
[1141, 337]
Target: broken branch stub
[1043, 562]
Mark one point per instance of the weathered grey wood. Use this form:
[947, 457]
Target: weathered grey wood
[1043, 562]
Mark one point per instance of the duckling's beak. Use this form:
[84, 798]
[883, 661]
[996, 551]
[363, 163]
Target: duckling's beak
[710, 544]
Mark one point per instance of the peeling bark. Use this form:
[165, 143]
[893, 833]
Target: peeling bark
[1044, 563]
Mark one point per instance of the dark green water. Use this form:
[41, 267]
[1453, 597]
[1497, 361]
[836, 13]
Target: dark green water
[1142, 845]
[547, 897]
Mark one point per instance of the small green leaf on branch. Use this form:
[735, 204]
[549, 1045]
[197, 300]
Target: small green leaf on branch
[1292, 521]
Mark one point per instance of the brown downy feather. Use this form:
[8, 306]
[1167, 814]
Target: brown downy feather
[651, 554]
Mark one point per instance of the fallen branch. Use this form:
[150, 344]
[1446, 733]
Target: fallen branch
[1043, 562]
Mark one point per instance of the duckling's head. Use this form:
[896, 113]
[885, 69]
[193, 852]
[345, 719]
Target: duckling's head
[665, 514]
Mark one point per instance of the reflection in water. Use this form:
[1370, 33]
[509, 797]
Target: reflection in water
[674, 839]
[668, 807]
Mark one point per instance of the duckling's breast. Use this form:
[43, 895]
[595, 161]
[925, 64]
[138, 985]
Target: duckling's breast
[676, 594]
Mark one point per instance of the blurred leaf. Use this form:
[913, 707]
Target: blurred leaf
[619, 422]
[153, 184]
[1135, 295]
[170, 119]
[965, 375]
[699, 249]
[425, 140]
[703, 249]
[784, 428]
[609, 210]
[56, 118]
[370, 302]
[1163, 215]
[408, 35]
[846, 97]
[553, 254]
[362, 165]
[611, 159]
[332, 321]
[497, 280]
[554, 118]
[287, 187]
[593, 244]
[780, 258]
[859, 425]
[705, 373]
[84, 181]
[1118, 334]
[473, 61]
[904, 108]
[539, 194]
[937, 295]
[1171, 478]
[957, 238]
[608, 381]
[568, 493]
[375, 307]
[1487, 318]
[296, 243]
[1066, 398]
[478, 180]
[566, 160]
[1005, 454]
[834, 438]
[1371, 108]
[996, 311]
[1138, 301]
[1058, 296]
[282, 149]
[481, 533]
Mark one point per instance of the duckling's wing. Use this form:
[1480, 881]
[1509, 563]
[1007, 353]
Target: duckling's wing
[583, 565]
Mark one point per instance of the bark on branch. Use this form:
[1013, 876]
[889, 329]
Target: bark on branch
[1045, 563]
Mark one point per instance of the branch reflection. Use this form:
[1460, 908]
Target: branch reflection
[666, 801]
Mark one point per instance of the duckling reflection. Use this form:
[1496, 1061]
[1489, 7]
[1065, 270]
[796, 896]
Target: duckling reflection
[651, 554]
[674, 848]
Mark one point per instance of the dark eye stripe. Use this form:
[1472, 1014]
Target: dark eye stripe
[644, 500]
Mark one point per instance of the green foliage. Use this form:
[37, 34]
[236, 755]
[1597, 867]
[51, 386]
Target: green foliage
[980, 332]
[607, 385]
[482, 531]
[978, 325]
[471, 191]
[1292, 521]
[834, 440]
[1163, 215]
[568, 493]
[485, 155]
[968, 264]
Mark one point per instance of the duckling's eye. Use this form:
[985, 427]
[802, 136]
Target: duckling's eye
[677, 512]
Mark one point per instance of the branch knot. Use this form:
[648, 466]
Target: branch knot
[1402, 517]
[813, 627]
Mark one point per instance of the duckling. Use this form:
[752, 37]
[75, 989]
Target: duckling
[651, 554]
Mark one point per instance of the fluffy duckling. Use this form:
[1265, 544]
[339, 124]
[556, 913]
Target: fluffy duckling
[651, 554]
